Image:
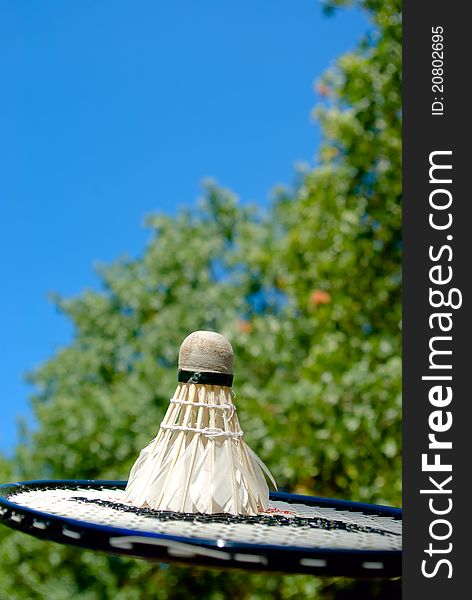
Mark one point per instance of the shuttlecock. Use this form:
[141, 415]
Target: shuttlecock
[199, 462]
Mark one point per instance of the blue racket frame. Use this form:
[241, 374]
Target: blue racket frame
[201, 551]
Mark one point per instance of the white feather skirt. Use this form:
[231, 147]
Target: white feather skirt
[199, 462]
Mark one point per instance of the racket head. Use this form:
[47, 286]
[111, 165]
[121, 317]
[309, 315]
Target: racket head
[302, 534]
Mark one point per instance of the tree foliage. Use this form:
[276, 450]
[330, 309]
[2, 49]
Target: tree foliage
[308, 294]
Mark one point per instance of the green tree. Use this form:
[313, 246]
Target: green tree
[308, 294]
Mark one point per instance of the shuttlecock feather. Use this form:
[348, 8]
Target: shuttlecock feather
[199, 461]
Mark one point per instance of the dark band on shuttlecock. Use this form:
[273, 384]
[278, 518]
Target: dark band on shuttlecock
[205, 378]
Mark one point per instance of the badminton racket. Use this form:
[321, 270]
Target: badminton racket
[296, 534]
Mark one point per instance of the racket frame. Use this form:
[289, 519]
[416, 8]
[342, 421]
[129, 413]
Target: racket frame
[201, 551]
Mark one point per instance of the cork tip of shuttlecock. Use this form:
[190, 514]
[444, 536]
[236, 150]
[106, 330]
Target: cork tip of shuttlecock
[206, 351]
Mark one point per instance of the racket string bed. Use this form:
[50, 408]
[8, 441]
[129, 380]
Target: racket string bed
[301, 525]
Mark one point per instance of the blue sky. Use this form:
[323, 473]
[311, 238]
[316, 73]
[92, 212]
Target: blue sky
[111, 110]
